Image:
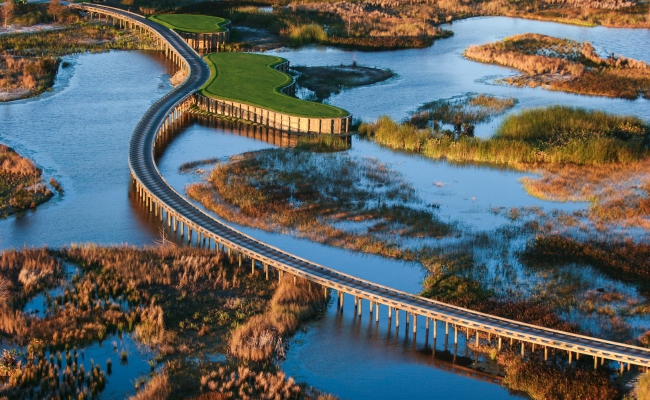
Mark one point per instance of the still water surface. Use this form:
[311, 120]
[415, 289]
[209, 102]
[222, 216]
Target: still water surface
[80, 133]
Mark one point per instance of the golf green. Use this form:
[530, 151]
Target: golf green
[191, 23]
[252, 79]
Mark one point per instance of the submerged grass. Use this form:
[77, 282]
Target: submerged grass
[469, 109]
[314, 194]
[180, 302]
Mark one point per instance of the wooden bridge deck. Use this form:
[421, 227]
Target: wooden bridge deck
[162, 200]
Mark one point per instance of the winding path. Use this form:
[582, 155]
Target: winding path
[164, 200]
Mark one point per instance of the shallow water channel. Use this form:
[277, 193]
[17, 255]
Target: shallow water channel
[79, 133]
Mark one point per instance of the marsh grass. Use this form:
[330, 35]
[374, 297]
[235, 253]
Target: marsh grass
[178, 301]
[262, 337]
[566, 65]
[554, 379]
[627, 261]
[453, 279]
[311, 194]
[552, 135]
[21, 184]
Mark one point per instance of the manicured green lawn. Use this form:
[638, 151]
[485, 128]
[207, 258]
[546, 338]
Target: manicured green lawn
[251, 79]
[190, 22]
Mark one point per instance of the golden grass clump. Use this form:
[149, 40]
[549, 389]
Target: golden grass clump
[261, 338]
[158, 388]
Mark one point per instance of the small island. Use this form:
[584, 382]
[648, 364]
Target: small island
[21, 184]
[565, 65]
[327, 80]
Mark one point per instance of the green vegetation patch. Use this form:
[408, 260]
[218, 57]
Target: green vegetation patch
[191, 23]
[252, 79]
[552, 135]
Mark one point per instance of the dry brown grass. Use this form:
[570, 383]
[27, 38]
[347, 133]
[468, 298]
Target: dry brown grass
[261, 338]
[157, 388]
[619, 193]
[565, 65]
[21, 186]
[228, 382]
[272, 191]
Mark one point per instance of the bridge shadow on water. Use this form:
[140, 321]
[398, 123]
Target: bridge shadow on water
[384, 336]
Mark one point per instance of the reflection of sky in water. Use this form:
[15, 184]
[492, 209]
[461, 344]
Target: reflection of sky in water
[121, 382]
[359, 359]
[79, 133]
[440, 71]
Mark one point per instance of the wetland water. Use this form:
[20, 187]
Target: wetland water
[80, 133]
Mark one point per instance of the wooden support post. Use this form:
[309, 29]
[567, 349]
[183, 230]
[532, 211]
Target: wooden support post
[266, 271]
[455, 334]
[545, 353]
[396, 318]
[376, 311]
[523, 349]
[415, 323]
[570, 356]
[253, 267]
[499, 346]
[390, 313]
[359, 306]
[435, 329]
[325, 291]
[595, 363]
[477, 337]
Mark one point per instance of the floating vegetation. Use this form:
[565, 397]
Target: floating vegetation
[460, 111]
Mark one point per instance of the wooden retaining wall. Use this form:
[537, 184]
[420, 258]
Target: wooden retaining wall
[207, 42]
[273, 119]
[276, 120]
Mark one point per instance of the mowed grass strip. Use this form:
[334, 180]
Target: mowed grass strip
[252, 79]
[191, 23]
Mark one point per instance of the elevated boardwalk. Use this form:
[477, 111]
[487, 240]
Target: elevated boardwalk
[178, 213]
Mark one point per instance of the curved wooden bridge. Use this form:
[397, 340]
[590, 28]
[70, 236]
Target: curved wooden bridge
[179, 214]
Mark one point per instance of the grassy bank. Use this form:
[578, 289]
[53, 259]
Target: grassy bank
[21, 183]
[251, 79]
[29, 61]
[565, 65]
[178, 302]
[552, 135]
[191, 23]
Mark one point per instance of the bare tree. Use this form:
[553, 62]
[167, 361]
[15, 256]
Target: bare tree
[55, 9]
[7, 11]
